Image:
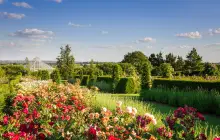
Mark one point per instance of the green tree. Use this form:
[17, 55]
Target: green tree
[153, 60]
[137, 59]
[116, 74]
[170, 58]
[159, 59]
[193, 61]
[210, 69]
[179, 64]
[146, 80]
[55, 76]
[166, 70]
[65, 62]
[106, 68]
[128, 69]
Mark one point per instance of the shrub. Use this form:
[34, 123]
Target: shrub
[116, 73]
[146, 75]
[106, 79]
[2, 73]
[13, 70]
[126, 85]
[186, 84]
[55, 76]
[166, 70]
[204, 101]
[45, 75]
[102, 86]
[85, 80]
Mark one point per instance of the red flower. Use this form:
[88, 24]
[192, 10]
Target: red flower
[112, 138]
[200, 116]
[51, 123]
[25, 111]
[202, 137]
[180, 113]
[41, 136]
[92, 133]
[16, 137]
[35, 114]
[5, 120]
[217, 138]
[8, 134]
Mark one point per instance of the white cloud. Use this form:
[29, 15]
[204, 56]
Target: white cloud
[58, 1]
[11, 15]
[22, 4]
[104, 32]
[33, 34]
[214, 31]
[146, 40]
[78, 25]
[192, 35]
[1, 1]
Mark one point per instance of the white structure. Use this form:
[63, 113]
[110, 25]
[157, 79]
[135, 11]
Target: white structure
[36, 64]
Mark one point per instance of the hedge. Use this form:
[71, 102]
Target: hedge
[13, 70]
[126, 85]
[204, 101]
[186, 84]
[107, 79]
[85, 80]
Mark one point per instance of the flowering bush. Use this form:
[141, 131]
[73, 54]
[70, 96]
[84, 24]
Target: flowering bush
[44, 110]
[180, 125]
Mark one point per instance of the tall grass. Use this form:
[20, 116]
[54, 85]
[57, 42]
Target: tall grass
[108, 101]
[204, 101]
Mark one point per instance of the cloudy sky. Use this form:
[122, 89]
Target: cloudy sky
[105, 30]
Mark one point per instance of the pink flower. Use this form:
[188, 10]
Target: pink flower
[200, 116]
[25, 111]
[5, 120]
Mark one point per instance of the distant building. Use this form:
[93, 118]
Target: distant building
[36, 64]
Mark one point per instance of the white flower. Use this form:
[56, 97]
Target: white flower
[134, 111]
[115, 119]
[118, 103]
[154, 121]
[129, 109]
[104, 109]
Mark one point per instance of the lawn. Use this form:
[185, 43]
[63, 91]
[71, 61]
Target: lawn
[211, 126]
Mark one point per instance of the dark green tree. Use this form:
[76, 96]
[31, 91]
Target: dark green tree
[146, 80]
[55, 76]
[153, 60]
[210, 69]
[179, 64]
[159, 59]
[193, 61]
[170, 58]
[45, 75]
[137, 59]
[65, 62]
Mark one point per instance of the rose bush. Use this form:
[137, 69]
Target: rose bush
[44, 110]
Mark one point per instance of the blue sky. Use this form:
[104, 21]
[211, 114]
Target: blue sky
[105, 30]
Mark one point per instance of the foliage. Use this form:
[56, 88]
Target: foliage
[181, 125]
[12, 71]
[193, 61]
[126, 85]
[2, 73]
[102, 86]
[106, 79]
[85, 80]
[180, 63]
[106, 68]
[171, 59]
[166, 70]
[116, 73]
[204, 101]
[45, 75]
[65, 62]
[137, 59]
[146, 80]
[187, 84]
[210, 69]
[128, 69]
[55, 76]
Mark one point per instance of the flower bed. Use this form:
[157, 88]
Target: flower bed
[53, 111]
